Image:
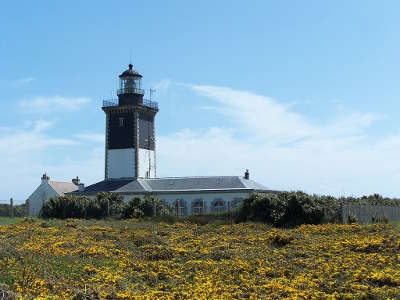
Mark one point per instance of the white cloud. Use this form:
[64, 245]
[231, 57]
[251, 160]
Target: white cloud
[25, 80]
[284, 149]
[162, 85]
[91, 137]
[54, 103]
[29, 151]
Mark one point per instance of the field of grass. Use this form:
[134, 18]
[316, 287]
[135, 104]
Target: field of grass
[126, 259]
[9, 220]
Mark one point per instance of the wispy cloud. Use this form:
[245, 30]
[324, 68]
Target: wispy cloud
[32, 149]
[25, 80]
[91, 137]
[53, 103]
[284, 149]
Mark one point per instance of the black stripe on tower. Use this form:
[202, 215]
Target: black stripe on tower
[146, 132]
[122, 130]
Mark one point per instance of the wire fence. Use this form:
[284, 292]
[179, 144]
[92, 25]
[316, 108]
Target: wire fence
[9, 209]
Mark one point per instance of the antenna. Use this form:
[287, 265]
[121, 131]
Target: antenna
[130, 55]
[151, 92]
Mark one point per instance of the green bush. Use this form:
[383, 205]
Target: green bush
[287, 209]
[149, 206]
[70, 206]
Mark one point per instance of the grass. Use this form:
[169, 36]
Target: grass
[10, 220]
[111, 259]
[396, 224]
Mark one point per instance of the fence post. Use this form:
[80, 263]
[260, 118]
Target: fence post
[108, 207]
[27, 207]
[11, 207]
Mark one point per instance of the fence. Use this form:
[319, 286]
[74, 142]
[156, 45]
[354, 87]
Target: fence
[369, 213]
[8, 209]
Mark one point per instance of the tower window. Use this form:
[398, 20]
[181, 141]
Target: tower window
[121, 121]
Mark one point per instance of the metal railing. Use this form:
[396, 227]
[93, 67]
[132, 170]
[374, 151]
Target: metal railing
[130, 90]
[108, 103]
[151, 104]
[146, 102]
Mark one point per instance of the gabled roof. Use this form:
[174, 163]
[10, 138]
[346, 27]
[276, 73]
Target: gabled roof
[175, 184]
[63, 187]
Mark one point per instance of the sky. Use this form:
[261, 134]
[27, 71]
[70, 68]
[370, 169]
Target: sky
[304, 94]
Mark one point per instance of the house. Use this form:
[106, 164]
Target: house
[49, 189]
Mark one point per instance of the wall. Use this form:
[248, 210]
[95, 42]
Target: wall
[144, 156]
[208, 199]
[38, 197]
[364, 213]
[121, 163]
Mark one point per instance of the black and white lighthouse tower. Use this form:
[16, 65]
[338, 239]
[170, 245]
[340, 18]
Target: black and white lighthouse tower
[130, 132]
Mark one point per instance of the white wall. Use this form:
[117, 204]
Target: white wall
[208, 199]
[43, 193]
[121, 163]
[144, 156]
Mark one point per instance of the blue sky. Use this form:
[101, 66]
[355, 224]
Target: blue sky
[303, 93]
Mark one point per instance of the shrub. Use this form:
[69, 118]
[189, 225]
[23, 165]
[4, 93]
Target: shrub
[288, 209]
[71, 206]
[149, 206]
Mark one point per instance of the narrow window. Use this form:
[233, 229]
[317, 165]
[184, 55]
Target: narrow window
[218, 206]
[198, 207]
[180, 208]
[121, 121]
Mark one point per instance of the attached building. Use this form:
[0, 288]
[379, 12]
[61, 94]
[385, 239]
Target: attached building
[185, 195]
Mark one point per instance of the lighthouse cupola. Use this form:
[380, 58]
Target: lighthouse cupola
[130, 90]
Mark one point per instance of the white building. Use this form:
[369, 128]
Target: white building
[186, 195]
[49, 189]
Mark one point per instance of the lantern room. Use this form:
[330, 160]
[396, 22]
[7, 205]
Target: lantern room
[130, 82]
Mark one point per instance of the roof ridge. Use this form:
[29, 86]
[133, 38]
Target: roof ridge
[189, 177]
[61, 181]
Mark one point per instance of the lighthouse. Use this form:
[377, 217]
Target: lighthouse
[130, 131]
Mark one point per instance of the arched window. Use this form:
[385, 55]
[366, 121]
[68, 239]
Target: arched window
[218, 206]
[198, 207]
[180, 207]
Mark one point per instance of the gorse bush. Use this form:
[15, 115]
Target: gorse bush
[288, 209]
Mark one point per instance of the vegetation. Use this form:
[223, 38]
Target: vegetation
[19, 210]
[288, 209]
[104, 205]
[90, 259]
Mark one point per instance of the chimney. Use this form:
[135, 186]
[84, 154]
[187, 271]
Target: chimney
[81, 187]
[45, 178]
[246, 174]
[76, 181]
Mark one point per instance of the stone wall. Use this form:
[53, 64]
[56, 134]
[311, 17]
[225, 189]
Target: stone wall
[368, 213]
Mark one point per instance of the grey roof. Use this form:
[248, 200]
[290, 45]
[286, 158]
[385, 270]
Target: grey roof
[175, 184]
[63, 187]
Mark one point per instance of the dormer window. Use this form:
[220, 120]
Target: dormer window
[121, 121]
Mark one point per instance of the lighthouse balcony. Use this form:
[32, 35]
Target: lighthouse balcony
[146, 102]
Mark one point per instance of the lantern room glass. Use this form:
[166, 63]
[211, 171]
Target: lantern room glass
[130, 84]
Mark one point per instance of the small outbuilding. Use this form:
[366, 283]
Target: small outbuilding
[49, 189]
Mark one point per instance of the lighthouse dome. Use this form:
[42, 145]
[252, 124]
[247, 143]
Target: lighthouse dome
[130, 72]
